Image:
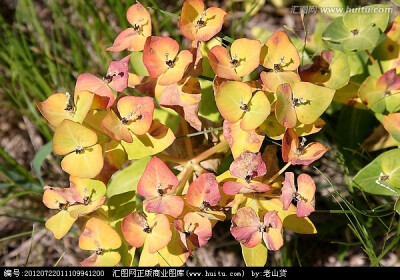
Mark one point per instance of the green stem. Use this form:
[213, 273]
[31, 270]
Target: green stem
[373, 61]
[334, 211]
[387, 249]
[173, 159]
[187, 172]
[279, 172]
[206, 78]
[220, 146]
[188, 143]
[201, 132]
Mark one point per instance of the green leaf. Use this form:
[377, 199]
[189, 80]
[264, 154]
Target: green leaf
[340, 71]
[380, 19]
[391, 123]
[167, 117]
[377, 99]
[174, 254]
[354, 126]
[357, 62]
[137, 65]
[39, 158]
[256, 256]
[382, 175]
[121, 192]
[288, 217]
[315, 100]
[147, 259]
[328, 4]
[153, 142]
[386, 55]
[126, 180]
[354, 31]
[207, 108]
[127, 255]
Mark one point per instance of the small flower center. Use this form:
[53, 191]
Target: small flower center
[383, 177]
[110, 76]
[299, 151]
[297, 197]
[297, 101]
[243, 106]
[169, 63]
[354, 32]
[69, 107]
[63, 206]
[325, 71]
[160, 190]
[86, 200]
[133, 116]
[99, 251]
[79, 150]
[205, 206]
[136, 27]
[147, 229]
[234, 62]
[201, 22]
[124, 120]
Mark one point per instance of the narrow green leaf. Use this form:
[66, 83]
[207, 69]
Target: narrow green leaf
[39, 159]
[397, 206]
[30, 247]
[59, 259]
[172, 15]
[17, 235]
[4, 201]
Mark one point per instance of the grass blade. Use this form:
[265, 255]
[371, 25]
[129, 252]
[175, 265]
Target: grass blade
[39, 159]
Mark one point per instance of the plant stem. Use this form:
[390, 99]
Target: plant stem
[279, 172]
[201, 132]
[373, 61]
[209, 152]
[333, 211]
[198, 169]
[188, 143]
[173, 159]
[187, 172]
[206, 78]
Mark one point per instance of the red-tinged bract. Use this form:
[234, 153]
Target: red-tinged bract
[156, 185]
[304, 196]
[249, 230]
[133, 38]
[199, 24]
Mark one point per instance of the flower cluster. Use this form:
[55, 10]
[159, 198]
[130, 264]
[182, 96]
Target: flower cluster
[110, 120]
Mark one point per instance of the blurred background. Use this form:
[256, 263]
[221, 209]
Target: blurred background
[46, 44]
